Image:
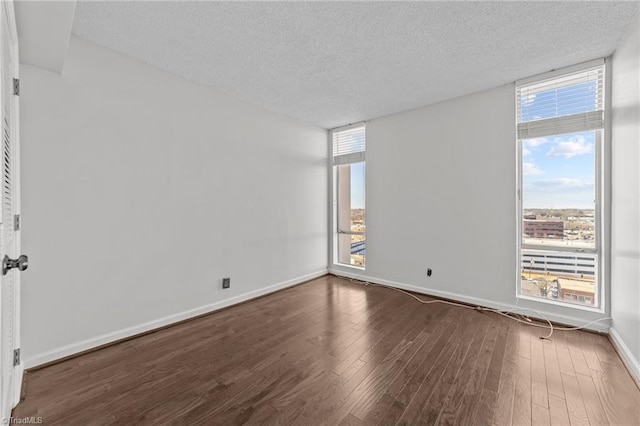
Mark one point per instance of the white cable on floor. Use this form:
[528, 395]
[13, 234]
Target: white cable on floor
[504, 313]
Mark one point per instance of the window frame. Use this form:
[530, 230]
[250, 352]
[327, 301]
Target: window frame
[334, 230]
[602, 205]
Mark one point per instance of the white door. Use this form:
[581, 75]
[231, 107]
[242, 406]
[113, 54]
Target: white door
[11, 368]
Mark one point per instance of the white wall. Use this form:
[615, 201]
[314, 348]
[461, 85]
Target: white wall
[142, 190]
[625, 239]
[44, 28]
[441, 193]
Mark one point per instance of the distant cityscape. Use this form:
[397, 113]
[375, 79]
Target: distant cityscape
[561, 275]
[358, 249]
[565, 224]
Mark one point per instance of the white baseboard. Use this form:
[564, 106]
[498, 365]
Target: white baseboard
[561, 319]
[74, 348]
[633, 365]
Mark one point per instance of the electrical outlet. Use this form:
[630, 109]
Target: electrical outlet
[226, 282]
[429, 272]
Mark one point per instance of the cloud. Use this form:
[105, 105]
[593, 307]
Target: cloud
[529, 145]
[576, 145]
[535, 142]
[528, 99]
[530, 169]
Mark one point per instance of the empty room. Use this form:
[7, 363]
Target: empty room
[320, 213]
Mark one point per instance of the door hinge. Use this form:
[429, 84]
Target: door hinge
[16, 86]
[16, 222]
[16, 357]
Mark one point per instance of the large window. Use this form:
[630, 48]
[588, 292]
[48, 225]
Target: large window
[560, 124]
[349, 199]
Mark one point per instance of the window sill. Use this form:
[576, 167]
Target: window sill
[563, 304]
[345, 265]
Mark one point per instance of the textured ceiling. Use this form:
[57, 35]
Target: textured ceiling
[333, 63]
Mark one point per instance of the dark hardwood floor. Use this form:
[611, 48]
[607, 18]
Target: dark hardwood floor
[335, 352]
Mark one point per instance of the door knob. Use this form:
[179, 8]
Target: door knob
[21, 263]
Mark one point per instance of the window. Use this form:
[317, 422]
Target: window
[349, 199]
[560, 126]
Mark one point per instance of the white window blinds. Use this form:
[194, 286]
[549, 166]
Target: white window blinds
[569, 103]
[348, 145]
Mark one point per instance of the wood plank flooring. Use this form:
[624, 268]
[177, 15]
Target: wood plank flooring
[335, 352]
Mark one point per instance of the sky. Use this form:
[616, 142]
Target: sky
[357, 185]
[559, 171]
